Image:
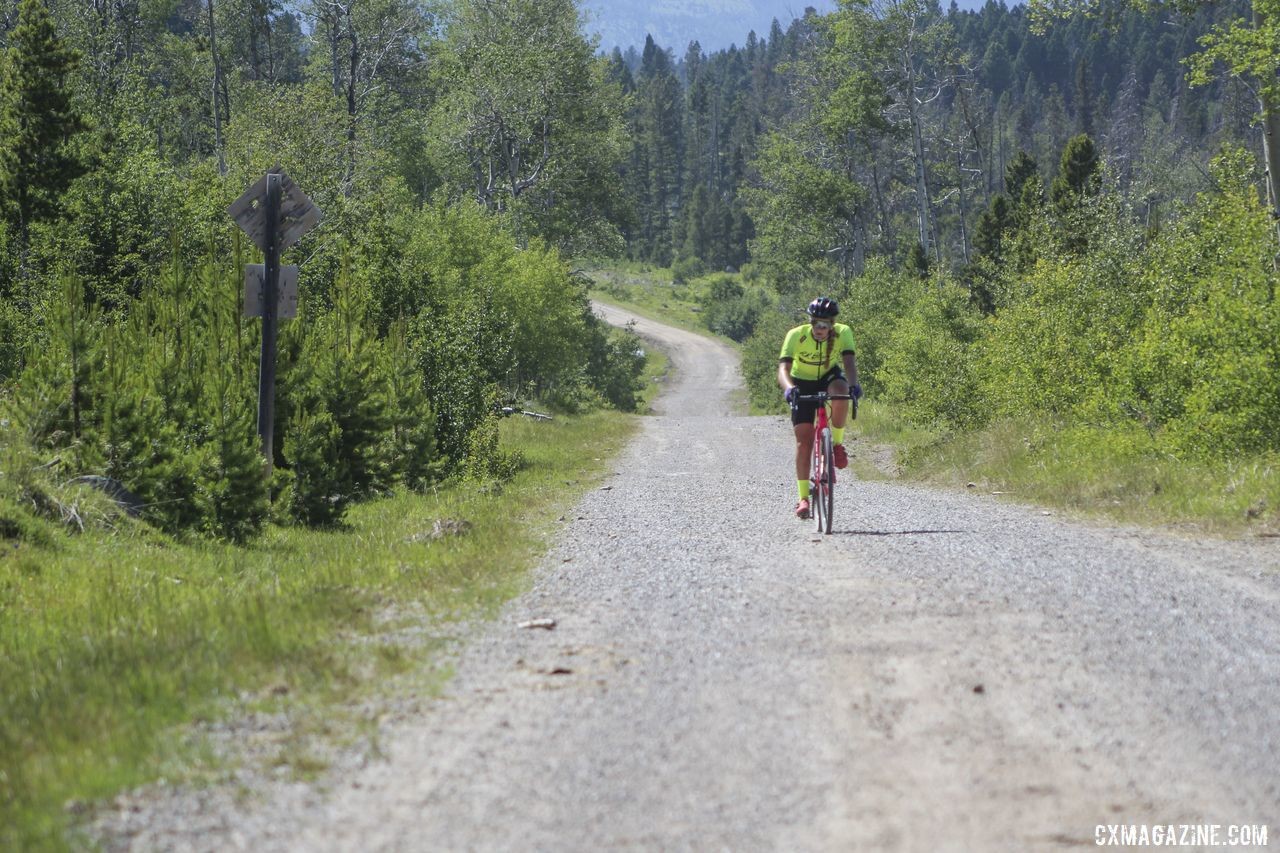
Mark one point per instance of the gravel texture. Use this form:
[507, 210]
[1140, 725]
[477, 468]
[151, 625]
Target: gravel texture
[944, 672]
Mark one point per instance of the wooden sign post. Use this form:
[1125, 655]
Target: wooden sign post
[275, 214]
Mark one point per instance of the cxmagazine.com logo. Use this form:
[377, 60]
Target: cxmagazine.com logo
[1181, 835]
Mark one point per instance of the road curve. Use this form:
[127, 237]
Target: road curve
[944, 672]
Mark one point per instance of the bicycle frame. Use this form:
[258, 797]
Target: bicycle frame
[822, 467]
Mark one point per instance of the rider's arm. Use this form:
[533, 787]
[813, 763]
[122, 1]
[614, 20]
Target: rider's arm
[784, 375]
[850, 366]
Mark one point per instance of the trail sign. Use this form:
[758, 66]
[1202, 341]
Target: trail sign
[275, 214]
[298, 214]
[255, 283]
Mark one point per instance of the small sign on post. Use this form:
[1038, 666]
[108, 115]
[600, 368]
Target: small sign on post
[275, 214]
[255, 283]
[298, 214]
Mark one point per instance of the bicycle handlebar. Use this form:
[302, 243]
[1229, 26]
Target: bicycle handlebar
[824, 397]
[820, 397]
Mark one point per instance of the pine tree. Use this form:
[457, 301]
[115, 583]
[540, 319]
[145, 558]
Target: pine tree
[37, 119]
[57, 395]
[1022, 184]
[181, 499]
[412, 437]
[743, 230]
[235, 475]
[992, 225]
[1078, 178]
[1077, 172]
[658, 136]
[313, 445]
[1016, 174]
[140, 445]
[357, 393]
[235, 488]
[336, 441]
[918, 262]
[1084, 98]
[696, 240]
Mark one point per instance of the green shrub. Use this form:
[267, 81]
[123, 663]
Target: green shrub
[873, 306]
[686, 270]
[487, 463]
[730, 310]
[344, 409]
[929, 369]
[760, 359]
[1205, 365]
[319, 492]
[615, 364]
[1056, 341]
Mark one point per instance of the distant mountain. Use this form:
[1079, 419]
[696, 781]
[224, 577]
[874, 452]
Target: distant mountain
[715, 24]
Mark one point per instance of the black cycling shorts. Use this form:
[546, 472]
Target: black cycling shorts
[803, 412]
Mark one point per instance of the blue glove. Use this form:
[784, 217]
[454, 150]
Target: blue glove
[856, 391]
[791, 395]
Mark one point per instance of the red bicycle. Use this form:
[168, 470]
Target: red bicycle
[822, 469]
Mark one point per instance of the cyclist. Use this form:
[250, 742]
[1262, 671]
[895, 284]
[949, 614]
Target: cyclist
[818, 356]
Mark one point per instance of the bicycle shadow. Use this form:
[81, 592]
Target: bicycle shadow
[894, 532]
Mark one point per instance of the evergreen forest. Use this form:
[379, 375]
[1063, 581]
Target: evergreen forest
[456, 155]
[1057, 215]
[1057, 211]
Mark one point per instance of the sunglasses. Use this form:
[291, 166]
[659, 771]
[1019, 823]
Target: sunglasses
[821, 325]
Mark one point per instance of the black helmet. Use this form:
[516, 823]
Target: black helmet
[823, 307]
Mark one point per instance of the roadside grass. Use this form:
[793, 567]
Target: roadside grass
[649, 292]
[1114, 474]
[111, 642]
[657, 374]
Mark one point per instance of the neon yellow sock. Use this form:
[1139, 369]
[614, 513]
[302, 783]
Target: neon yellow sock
[837, 435]
[802, 486]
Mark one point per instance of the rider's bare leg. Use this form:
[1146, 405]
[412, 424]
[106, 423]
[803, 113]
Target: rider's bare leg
[804, 450]
[839, 408]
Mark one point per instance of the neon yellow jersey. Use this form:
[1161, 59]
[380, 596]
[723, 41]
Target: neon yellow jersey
[811, 359]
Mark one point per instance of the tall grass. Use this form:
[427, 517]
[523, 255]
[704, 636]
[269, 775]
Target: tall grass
[109, 641]
[1113, 473]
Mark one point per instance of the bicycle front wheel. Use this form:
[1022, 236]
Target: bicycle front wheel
[823, 466]
[816, 477]
[827, 496]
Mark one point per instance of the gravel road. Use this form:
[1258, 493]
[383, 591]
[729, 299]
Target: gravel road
[944, 672]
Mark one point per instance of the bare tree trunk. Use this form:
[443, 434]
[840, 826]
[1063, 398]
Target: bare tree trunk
[715, 143]
[335, 65]
[859, 245]
[1271, 154]
[882, 212]
[352, 103]
[922, 184]
[217, 88]
[964, 209]
[257, 25]
[1270, 147]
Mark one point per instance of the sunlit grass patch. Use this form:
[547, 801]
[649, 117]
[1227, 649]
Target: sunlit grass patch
[879, 424]
[650, 293]
[1116, 473]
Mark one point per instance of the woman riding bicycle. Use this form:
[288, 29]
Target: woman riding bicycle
[808, 364]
